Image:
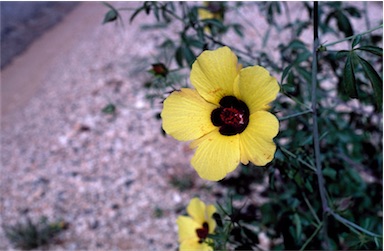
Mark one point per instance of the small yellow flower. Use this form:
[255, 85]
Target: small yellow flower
[225, 116]
[193, 230]
[212, 10]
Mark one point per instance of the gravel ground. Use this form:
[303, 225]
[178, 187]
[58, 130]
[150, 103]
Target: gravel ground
[108, 176]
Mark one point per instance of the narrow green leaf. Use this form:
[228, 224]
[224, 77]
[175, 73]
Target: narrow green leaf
[266, 36]
[156, 12]
[213, 22]
[238, 30]
[349, 78]
[342, 53]
[291, 79]
[302, 57]
[304, 73]
[354, 12]
[188, 55]
[194, 42]
[356, 41]
[136, 13]
[297, 44]
[343, 24]
[110, 16]
[147, 7]
[376, 81]
[297, 222]
[179, 57]
[285, 72]
[109, 109]
[372, 49]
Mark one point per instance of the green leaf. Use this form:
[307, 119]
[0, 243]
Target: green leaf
[110, 16]
[302, 57]
[354, 12]
[136, 13]
[285, 72]
[343, 24]
[291, 79]
[188, 55]
[266, 36]
[213, 23]
[194, 42]
[218, 220]
[109, 109]
[238, 29]
[349, 77]
[329, 172]
[297, 44]
[342, 53]
[297, 222]
[376, 81]
[304, 73]
[372, 49]
[179, 57]
[356, 41]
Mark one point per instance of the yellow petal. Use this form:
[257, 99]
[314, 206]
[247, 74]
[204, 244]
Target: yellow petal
[213, 74]
[257, 88]
[256, 142]
[216, 155]
[210, 210]
[186, 115]
[204, 14]
[193, 244]
[187, 228]
[196, 209]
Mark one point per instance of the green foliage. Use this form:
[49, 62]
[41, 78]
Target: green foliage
[354, 59]
[182, 183]
[30, 235]
[109, 109]
[348, 100]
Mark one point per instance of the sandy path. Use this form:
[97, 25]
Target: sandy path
[63, 158]
[21, 79]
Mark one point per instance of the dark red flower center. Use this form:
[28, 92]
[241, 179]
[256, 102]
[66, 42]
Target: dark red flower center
[202, 233]
[232, 116]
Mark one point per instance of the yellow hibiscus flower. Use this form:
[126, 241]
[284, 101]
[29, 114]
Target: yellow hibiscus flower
[193, 230]
[225, 115]
[212, 10]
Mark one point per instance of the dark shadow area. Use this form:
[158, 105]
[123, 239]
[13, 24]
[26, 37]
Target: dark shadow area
[23, 22]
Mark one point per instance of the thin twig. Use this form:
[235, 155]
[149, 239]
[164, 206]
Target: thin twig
[311, 209]
[352, 225]
[352, 37]
[283, 149]
[311, 237]
[295, 115]
[316, 140]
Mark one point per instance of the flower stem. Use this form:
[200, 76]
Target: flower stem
[311, 237]
[352, 225]
[295, 115]
[283, 149]
[352, 37]
[316, 140]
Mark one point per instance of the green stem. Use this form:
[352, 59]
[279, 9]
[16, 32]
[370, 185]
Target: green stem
[295, 115]
[352, 37]
[311, 237]
[294, 99]
[316, 140]
[311, 209]
[352, 225]
[298, 159]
